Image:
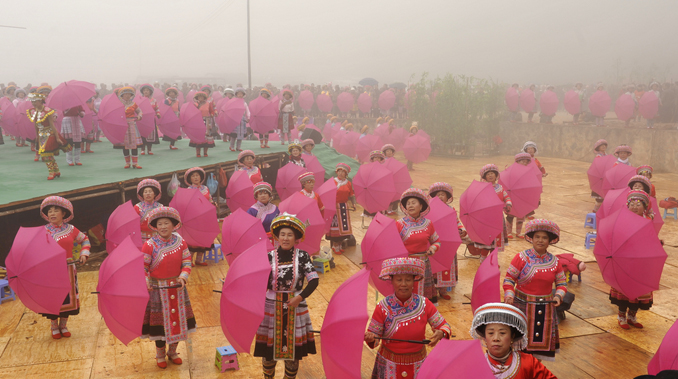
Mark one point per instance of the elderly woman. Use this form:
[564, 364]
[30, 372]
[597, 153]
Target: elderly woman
[246, 159]
[307, 181]
[132, 140]
[282, 336]
[419, 236]
[294, 150]
[148, 192]
[194, 179]
[403, 316]
[340, 228]
[528, 285]
[58, 212]
[502, 329]
[307, 145]
[264, 209]
[206, 107]
[167, 263]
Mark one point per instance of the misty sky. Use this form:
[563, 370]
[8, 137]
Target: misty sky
[339, 41]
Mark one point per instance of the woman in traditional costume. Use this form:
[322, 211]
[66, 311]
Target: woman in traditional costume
[340, 228]
[623, 152]
[264, 209]
[294, 150]
[246, 160]
[172, 101]
[206, 109]
[285, 119]
[240, 131]
[646, 171]
[74, 132]
[49, 141]
[522, 159]
[490, 173]
[132, 139]
[307, 181]
[194, 179]
[600, 149]
[307, 146]
[151, 139]
[263, 137]
[148, 192]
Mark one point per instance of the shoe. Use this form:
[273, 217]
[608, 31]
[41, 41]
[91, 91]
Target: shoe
[631, 320]
[71, 164]
[78, 164]
[239, 149]
[510, 236]
[56, 334]
[621, 320]
[521, 236]
[197, 155]
[58, 174]
[142, 153]
[137, 167]
[201, 263]
[445, 296]
[51, 177]
[89, 151]
[205, 155]
[530, 218]
[150, 153]
[36, 159]
[232, 149]
[176, 360]
[174, 148]
[65, 332]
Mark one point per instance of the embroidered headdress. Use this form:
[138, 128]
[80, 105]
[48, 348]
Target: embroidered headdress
[500, 313]
[187, 175]
[286, 220]
[542, 225]
[441, 186]
[163, 212]
[149, 183]
[416, 193]
[263, 186]
[395, 266]
[57, 201]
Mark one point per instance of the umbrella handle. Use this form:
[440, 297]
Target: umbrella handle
[12, 277]
[217, 291]
[95, 293]
[167, 287]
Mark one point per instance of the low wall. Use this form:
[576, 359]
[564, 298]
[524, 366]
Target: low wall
[656, 147]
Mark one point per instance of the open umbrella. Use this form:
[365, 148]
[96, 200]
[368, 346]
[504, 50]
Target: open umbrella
[486, 283]
[599, 103]
[398, 85]
[324, 103]
[374, 187]
[337, 135]
[624, 107]
[572, 102]
[401, 176]
[616, 199]
[122, 291]
[417, 148]
[345, 102]
[199, 225]
[481, 212]
[70, 94]
[169, 123]
[597, 170]
[36, 270]
[617, 177]
[112, 119]
[275, 101]
[382, 241]
[548, 103]
[368, 82]
[327, 131]
[9, 116]
[230, 114]
[287, 180]
[124, 222]
[243, 297]
[305, 100]
[146, 125]
[312, 132]
[523, 187]
[666, 357]
[383, 131]
[397, 138]
[629, 254]
[239, 231]
[328, 195]
[239, 193]
[512, 99]
[263, 115]
[306, 210]
[444, 219]
[366, 145]
[189, 96]
[313, 165]
[386, 100]
[158, 95]
[192, 122]
[25, 127]
[527, 100]
[343, 329]
[365, 102]
[348, 143]
[456, 359]
[648, 105]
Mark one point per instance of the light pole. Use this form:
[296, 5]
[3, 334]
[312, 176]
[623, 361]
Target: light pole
[249, 58]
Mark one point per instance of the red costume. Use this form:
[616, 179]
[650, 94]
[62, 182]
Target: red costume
[520, 365]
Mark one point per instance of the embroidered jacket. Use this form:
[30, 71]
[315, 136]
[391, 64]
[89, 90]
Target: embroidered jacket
[417, 235]
[534, 274]
[67, 236]
[166, 258]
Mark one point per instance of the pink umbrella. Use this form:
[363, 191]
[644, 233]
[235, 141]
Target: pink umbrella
[374, 187]
[444, 219]
[417, 148]
[512, 99]
[239, 231]
[616, 199]
[328, 195]
[147, 123]
[306, 100]
[287, 180]
[25, 127]
[617, 177]
[624, 107]
[481, 212]
[397, 138]
[383, 131]
[535, 170]
[169, 123]
[324, 103]
[239, 193]
[666, 357]
[9, 116]
[199, 225]
[122, 291]
[486, 283]
[222, 102]
[86, 119]
[112, 119]
[597, 170]
[401, 176]
[306, 210]
[230, 115]
[158, 95]
[276, 105]
[192, 122]
[189, 96]
[343, 328]
[313, 165]
[243, 297]
[263, 115]
[382, 241]
[216, 96]
[523, 187]
[386, 100]
[648, 105]
[70, 94]
[348, 143]
[456, 359]
[599, 103]
[124, 222]
[629, 254]
[425, 135]
[365, 102]
[366, 145]
[337, 135]
[572, 102]
[548, 103]
[327, 131]
[180, 97]
[36, 270]
[527, 100]
[345, 102]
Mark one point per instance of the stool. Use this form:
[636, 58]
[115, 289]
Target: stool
[6, 292]
[590, 240]
[673, 212]
[322, 265]
[569, 276]
[214, 254]
[590, 220]
[226, 358]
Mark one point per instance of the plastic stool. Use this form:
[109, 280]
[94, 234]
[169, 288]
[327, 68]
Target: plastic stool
[590, 240]
[227, 358]
[6, 292]
[322, 265]
[569, 276]
[673, 212]
[590, 220]
[215, 254]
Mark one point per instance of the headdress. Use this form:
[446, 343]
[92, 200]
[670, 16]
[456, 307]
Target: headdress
[286, 220]
[644, 168]
[521, 156]
[240, 89]
[125, 90]
[205, 88]
[44, 89]
[163, 212]
[416, 193]
[386, 147]
[343, 166]
[307, 141]
[487, 168]
[641, 179]
[229, 90]
[36, 96]
[57, 201]
[293, 146]
[530, 144]
[441, 186]
[265, 90]
[245, 153]
[151, 183]
[262, 186]
[167, 91]
[364, 129]
[598, 144]
[306, 177]
[500, 313]
[190, 171]
[641, 196]
[395, 266]
[200, 93]
[542, 225]
[143, 86]
[623, 148]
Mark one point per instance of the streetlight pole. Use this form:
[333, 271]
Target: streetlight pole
[249, 58]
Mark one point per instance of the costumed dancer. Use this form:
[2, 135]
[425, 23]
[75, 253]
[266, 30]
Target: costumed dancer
[640, 183]
[307, 146]
[206, 109]
[58, 212]
[414, 128]
[20, 97]
[48, 140]
[646, 171]
[132, 137]
[285, 119]
[151, 139]
[194, 179]
[528, 286]
[74, 132]
[531, 148]
[148, 193]
[167, 263]
[294, 150]
[523, 159]
[264, 209]
[283, 335]
[503, 329]
[403, 315]
[419, 236]
[171, 99]
[623, 152]
[307, 181]
[599, 148]
[377, 156]
[229, 93]
[246, 160]
[263, 137]
[241, 130]
[340, 228]
[389, 152]
[490, 173]
[93, 104]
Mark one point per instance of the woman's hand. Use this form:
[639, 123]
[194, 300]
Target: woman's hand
[508, 300]
[431, 250]
[370, 337]
[295, 301]
[558, 300]
[462, 233]
[544, 175]
[83, 259]
[437, 336]
[182, 281]
[508, 208]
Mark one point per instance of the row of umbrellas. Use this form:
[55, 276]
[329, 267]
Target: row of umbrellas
[346, 101]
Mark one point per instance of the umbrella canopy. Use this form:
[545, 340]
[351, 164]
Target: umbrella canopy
[169, 123]
[401, 176]
[444, 219]
[368, 82]
[527, 100]
[398, 85]
[287, 180]
[597, 170]
[327, 131]
[348, 143]
[199, 225]
[343, 329]
[624, 107]
[328, 195]
[599, 103]
[456, 359]
[312, 132]
[147, 123]
[337, 135]
[572, 102]
[523, 187]
[230, 114]
[648, 105]
[192, 122]
[386, 100]
[629, 254]
[397, 138]
[112, 119]
[417, 148]
[382, 131]
[313, 165]
[243, 297]
[216, 96]
[240, 231]
[158, 95]
[275, 100]
[122, 291]
[306, 210]
[486, 283]
[124, 222]
[617, 177]
[548, 103]
[189, 96]
[70, 94]
[264, 117]
[305, 100]
[616, 199]
[382, 241]
[324, 103]
[374, 187]
[365, 102]
[345, 102]
[666, 357]
[481, 212]
[366, 145]
[512, 99]
[9, 116]
[25, 127]
[36, 270]
[239, 191]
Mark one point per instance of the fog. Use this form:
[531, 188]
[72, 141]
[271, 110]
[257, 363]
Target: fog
[304, 41]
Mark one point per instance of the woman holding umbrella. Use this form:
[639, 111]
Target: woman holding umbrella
[58, 212]
[599, 148]
[646, 171]
[148, 192]
[241, 130]
[388, 150]
[340, 228]
[264, 209]
[294, 150]
[246, 160]
[263, 137]
[528, 283]
[623, 152]
[283, 335]
[490, 173]
[74, 132]
[403, 316]
[307, 145]
[285, 120]
[307, 181]
[522, 159]
[152, 139]
[132, 137]
[167, 263]
[194, 179]
[172, 101]
[48, 140]
[207, 110]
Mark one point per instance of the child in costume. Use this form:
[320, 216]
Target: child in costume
[646, 171]
[194, 179]
[48, 140]
[285, 119]
[623, 152]
[340, 228]
[263, 137]
[490, 173]
[152, 139]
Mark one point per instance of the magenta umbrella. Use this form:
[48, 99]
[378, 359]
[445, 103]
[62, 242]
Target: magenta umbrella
[444, 219]
[199, 225]
[397, 138]
[276, 107]
[112, 119]
[328, 195]
[305, 100]
[599, 103]
[87, 119]
[366, 145]
[243, 297]
[158, 95]
[146, 125]
[324, 103]
[456, 359]
[216, 96]
[512, 99]
[617, 177]
[374, 187]
[624, 107]
[239, 231]
[239, 193]
[383, 131]
[648, 105]
[343, 329]
[572, 102]
[327, 131]
[481, 212]
[189, 96]
[523, 187]
[230, 115]
[382, 241]
[616, 199]
[263, 115]
[124, 222]
[401, 176]
[348, 143]
[25, 127]
[629, 254]
[527, 100]
[345, 102]
[365, 102]
[287, 180]
[70, 94]
[548, 103]
[666, 357]
[386, 100]
[417, 148]
[192, 122]
[313, 165]
[597, 170]
[36, 270]
[486, 283]
[9, 116]
[306, 210]
[169, 123]
[122, 291]
[337, 135]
